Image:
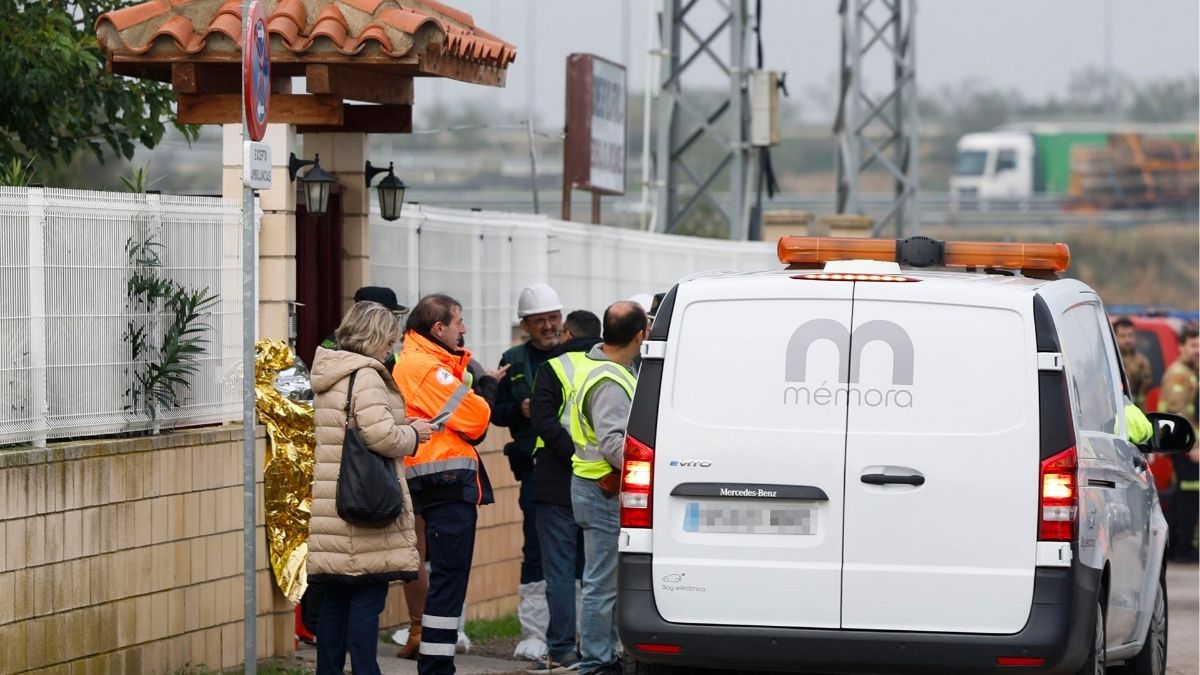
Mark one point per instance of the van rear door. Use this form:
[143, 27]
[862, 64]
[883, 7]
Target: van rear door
[941, 459]
[748, 468]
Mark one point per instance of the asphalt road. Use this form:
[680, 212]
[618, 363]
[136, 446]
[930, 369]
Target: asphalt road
[1183, 603]
[1183, 646]
[1183, 628]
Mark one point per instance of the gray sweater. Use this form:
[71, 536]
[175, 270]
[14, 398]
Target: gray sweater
[607, 409]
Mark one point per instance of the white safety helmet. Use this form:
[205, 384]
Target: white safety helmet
[537, 299]
[646, 300]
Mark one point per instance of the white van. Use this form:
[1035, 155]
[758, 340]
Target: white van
[855, 466]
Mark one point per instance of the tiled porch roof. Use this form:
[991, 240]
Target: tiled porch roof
[375, 31]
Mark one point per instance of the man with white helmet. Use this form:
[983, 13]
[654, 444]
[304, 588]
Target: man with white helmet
[540, 312]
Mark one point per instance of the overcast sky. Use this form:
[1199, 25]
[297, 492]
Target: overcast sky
[1030, 45]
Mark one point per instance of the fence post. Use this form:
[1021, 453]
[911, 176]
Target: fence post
[413, 249]
[37, 316]
[503, 335]
[152, 228]
[476, 301]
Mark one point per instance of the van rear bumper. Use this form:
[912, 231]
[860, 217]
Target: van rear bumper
[1058, 631]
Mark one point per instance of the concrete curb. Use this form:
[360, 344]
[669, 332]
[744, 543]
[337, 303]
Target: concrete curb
[464, 664]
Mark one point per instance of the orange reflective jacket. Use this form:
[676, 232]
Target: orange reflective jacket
[447, 467]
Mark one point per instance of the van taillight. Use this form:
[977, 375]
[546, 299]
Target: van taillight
[637, 482]
[1060, 497]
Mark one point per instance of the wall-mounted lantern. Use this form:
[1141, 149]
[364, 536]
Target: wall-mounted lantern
[315, 184]
[391, 190]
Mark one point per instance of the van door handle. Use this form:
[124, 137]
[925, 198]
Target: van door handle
[884, 479]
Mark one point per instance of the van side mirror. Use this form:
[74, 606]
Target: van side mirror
[1172, 433]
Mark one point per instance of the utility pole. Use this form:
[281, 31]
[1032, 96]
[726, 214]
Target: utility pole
[689, 177]
[1110, 85]
[869, 129]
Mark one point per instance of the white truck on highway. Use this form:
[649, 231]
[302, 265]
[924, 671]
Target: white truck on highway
[1101, 165]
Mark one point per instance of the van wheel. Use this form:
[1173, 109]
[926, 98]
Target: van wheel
[1094, 663]
[641, 668]
[1152, 660]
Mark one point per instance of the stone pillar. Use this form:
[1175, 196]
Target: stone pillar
[277, 231]
[344, 156]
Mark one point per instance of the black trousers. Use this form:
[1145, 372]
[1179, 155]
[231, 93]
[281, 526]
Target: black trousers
[1182, 514]
[531, 549]
[450, 545]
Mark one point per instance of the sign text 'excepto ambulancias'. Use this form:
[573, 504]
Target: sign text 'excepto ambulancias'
[256, 165]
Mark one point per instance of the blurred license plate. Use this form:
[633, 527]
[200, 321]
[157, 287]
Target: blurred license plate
[753, 517]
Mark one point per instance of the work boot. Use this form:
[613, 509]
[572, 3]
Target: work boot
[409, 650]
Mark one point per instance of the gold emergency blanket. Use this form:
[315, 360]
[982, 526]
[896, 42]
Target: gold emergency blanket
[287, 470]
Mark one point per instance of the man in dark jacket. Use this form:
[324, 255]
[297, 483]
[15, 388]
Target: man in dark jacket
[561, 539]
[384, 296]
[540, 311]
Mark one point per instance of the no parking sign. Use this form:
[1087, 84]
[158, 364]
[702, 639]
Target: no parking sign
[256, 71]
[256, 173]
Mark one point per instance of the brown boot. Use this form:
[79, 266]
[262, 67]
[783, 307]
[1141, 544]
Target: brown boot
[409, 650]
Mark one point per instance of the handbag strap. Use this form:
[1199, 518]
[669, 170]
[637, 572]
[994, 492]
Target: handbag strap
[349, 393]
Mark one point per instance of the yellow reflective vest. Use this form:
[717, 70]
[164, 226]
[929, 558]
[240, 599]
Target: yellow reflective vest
[587, 461]
[569, 368]
[1138, 426]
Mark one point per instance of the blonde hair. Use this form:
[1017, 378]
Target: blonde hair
[367, 328]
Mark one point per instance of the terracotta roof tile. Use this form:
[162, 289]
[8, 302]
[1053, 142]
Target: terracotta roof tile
[331, 24]
[181, 30]
[375, 33]
[147, 11]
[454, 14]
[287, 21]
[228, 22]
[396, 27]
[407, 21]
[368, 6]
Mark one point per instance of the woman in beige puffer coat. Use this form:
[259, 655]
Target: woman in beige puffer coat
[352, 565]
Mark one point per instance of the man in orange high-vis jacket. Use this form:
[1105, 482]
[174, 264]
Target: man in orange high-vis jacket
[446, 478]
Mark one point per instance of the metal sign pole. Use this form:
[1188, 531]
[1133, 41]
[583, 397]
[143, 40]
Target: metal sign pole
[249, 311]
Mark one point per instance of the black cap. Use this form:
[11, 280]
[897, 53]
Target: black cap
[381, 294]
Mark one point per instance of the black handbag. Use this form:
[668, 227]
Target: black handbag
[368, 489]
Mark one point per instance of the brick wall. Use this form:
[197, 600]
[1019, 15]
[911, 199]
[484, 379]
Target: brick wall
[126, 555]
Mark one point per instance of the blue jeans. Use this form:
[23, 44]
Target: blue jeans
[599, 517]
[349, 619]
[562, 563]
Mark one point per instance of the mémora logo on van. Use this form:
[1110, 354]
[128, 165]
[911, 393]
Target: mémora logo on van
[899, 395]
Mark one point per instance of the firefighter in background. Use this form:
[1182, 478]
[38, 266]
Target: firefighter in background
[1137, 366]
[1179, 395]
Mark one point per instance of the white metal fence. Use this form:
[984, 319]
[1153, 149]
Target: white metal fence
[484, 259]
[66, 367]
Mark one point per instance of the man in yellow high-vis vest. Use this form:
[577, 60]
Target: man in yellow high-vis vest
[599, 411]
[559, 535]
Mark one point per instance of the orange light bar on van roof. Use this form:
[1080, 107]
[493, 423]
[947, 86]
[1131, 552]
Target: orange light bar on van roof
[820, 250]
[1008, 255]
[925, 252]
